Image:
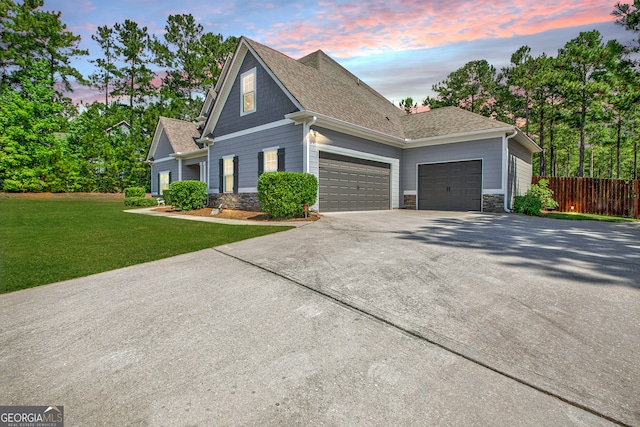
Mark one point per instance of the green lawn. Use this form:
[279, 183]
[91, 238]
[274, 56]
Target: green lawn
[45, 241]
[587, 217]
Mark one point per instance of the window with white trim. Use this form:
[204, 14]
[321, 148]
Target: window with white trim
[248, 88]
[271, 161]
[228, 174]
[164, 180]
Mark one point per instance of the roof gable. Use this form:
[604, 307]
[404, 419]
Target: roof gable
[181, 135]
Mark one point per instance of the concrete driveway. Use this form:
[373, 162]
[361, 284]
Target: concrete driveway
[388, 318]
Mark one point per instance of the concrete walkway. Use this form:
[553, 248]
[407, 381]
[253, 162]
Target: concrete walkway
[151, 211]
[369, 319]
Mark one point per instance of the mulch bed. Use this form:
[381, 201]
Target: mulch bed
[235, 214]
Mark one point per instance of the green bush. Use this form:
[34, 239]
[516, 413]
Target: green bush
[188, 195]
[283, 194]
[528, 204]
[134, 192]
[166, 196]
[542, 192]
[140, 202]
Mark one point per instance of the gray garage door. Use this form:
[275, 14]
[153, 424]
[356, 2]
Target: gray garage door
[350, 184]
[455, 186]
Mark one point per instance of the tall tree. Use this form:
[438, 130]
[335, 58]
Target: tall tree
[31, 34]
[106, 66]
[134, 78]
[471, 87]
[583, 58]
[192, 58]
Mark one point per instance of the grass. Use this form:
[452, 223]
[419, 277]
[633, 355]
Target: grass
[46, 241]
[586, 217]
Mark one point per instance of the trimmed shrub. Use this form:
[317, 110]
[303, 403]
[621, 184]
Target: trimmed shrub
[134, 192]
[140, 202]
[283, 194]
[544, 193]
[528, 204]
[166, 196]
[188, 195]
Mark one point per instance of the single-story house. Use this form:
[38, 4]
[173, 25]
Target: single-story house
[269, 112]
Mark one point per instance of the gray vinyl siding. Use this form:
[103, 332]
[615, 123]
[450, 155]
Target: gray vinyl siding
[489, 150]
[247, 147]
[190, 172]
[338, 139]
[520, 171]
[194, 161]
[156, 168]
[271, 102]
[164, 147]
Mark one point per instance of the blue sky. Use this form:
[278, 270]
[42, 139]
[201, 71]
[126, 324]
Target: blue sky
[399, 47]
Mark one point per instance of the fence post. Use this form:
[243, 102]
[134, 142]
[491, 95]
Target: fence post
[636, 199]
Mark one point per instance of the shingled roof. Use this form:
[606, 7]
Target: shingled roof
[181, 134]
[322, 86]
[447, 121]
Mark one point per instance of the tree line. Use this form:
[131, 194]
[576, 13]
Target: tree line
[581, 106]
[49, 144]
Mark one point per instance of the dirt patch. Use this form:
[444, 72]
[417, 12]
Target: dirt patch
[235, 214]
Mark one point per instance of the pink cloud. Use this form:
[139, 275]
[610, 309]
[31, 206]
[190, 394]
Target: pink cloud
[347, 30]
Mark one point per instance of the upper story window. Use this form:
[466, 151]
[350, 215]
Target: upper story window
[248, 83]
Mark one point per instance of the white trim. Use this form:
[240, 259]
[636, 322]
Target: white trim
[459, 137]
[203, 171]
[453, 161]
[255, 91]
[248, 190]
[410, 193]
[190, 154]
[276, 148]
[493, 191]
[230, 156]
[249, 131]
[393, 162]
[164, 159]
[505, 168]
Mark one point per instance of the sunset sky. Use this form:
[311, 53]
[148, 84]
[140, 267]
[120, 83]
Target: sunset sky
[401, 48]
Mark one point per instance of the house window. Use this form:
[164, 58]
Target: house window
[228, 175]
[248, 80]
[164, 180]
[271, 161]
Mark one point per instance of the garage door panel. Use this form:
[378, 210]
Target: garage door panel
[450, 186]
[349, 184]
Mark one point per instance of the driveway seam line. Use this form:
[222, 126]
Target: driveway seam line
[417, 335]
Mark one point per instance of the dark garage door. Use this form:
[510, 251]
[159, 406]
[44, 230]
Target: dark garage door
[350, 184]
[454, 186]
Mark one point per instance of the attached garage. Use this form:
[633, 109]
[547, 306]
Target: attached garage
[352, 184]
[451, 186]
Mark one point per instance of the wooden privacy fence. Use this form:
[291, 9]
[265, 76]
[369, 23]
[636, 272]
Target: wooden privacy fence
[615, 197]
